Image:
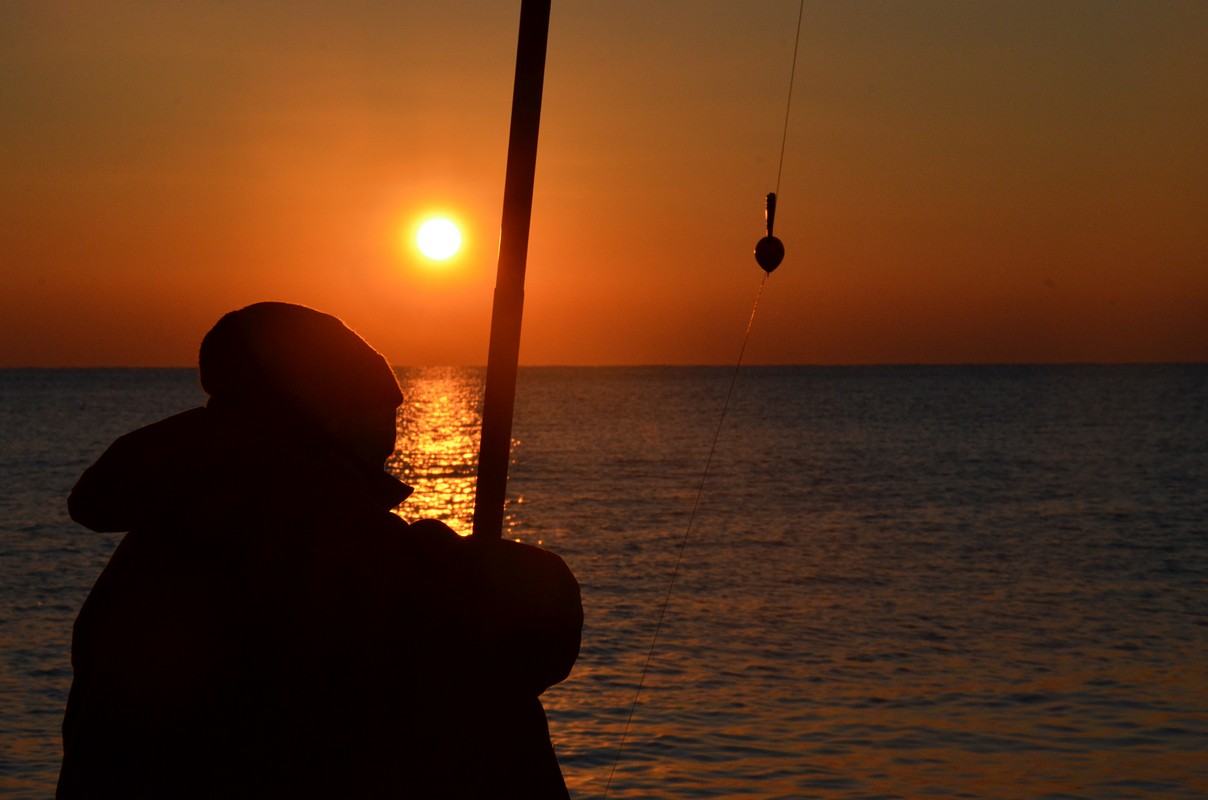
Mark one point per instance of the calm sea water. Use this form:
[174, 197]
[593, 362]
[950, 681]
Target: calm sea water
[899, 582]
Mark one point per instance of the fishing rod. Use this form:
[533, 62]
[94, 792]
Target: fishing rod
[503, 357]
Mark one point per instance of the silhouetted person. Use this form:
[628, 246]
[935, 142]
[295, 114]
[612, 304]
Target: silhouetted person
[268, 628]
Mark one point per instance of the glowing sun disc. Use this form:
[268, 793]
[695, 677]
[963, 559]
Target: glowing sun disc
[438, 239]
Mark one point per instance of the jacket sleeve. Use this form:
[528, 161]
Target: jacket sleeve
[519, 607]
[538, 613]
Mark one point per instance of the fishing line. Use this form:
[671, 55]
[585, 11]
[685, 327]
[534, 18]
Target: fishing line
[788, 104]
[769, 252]
[700, 490]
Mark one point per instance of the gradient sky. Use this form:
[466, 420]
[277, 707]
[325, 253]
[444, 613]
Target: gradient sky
[964, 181]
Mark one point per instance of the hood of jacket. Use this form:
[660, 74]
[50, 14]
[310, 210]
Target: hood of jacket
[200, 469]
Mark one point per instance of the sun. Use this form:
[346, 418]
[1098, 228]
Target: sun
[438, 238]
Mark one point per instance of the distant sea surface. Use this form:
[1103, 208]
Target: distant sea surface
[899, 582]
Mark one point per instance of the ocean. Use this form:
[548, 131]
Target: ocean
[898, 582]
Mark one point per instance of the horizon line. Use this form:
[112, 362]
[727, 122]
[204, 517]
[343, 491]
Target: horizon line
[665, 365]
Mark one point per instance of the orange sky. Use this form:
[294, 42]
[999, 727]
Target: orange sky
[964, 182]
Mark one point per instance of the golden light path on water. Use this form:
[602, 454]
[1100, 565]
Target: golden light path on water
[437, 449]
[436, 452]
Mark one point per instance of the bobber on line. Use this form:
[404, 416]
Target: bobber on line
[769, 251]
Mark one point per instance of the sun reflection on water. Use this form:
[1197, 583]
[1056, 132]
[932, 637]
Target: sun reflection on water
[437, 450]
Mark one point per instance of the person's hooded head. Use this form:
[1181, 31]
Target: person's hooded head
[284, 363]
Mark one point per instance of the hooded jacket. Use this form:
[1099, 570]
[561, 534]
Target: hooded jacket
[268, 628]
